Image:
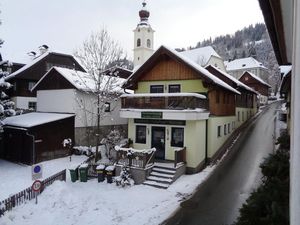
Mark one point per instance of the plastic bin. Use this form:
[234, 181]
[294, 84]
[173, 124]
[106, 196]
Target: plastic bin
[83, 169]
[100, 173]
[110, 172]
[74, 174]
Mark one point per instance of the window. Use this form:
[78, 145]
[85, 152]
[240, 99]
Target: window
[233, 125]
[177, 137]
[107, 107]
[157, 89]
[219, 131]
[174, 88]
[238, 116]
[32, 105]
[15, 86]
[228, 126]
[225, 129]
[138, 42]
[140, 135]
[148, 43]
[242, 116]
[31, 85]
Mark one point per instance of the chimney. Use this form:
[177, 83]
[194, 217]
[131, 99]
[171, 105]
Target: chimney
[43, 49]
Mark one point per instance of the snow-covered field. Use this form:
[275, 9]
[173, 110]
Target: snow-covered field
[17, 177]
[66, 203]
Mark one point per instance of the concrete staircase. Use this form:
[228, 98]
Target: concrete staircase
[161, 177]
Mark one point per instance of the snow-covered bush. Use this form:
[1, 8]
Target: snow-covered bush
[125, 178]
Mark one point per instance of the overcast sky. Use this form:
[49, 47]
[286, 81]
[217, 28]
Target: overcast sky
[64, 24]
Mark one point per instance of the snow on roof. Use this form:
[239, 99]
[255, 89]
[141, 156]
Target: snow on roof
[33, 62]
[244, 63]
[86, 82]
[233, 79]
[257, 78]
[34, 119]
[203, 71]
[285, 69]
[201, 55]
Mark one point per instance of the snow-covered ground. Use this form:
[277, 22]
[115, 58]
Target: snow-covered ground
[16, 177]
[66, 203]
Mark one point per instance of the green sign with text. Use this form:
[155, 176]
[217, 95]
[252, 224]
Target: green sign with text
[152, 115]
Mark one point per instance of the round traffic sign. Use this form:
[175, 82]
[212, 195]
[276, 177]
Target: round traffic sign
[37, 185]
[37, 169]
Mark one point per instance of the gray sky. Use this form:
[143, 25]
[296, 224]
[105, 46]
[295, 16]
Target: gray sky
[64, 24]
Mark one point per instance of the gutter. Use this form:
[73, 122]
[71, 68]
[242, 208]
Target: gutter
[33, 146]
[206, 140]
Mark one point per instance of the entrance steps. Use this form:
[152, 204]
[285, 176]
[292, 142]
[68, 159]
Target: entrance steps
[161, 176]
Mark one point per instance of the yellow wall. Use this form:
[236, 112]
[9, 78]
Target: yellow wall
[186, 85]
[241, 111]
[215, 142]
[194, 140]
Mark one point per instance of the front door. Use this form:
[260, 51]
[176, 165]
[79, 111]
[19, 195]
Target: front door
[158, 141]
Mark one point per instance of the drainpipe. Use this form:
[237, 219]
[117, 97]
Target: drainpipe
[33, 146]
[206, 140]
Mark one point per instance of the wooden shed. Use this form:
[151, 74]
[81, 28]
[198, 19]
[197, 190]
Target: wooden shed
[35, 137]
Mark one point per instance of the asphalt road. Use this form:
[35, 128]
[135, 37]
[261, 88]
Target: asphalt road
[218, 200]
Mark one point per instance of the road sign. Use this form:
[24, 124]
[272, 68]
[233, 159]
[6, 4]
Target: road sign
[37, 171]
[37, 185]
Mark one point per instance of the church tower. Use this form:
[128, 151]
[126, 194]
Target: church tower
[143, 38]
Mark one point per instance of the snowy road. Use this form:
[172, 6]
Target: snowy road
[218, 200]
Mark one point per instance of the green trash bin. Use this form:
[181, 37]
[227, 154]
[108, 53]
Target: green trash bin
[74, 174]
[83, 169]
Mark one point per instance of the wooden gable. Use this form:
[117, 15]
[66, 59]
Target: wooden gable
[54, 81]
[255, 84]
[169, 69]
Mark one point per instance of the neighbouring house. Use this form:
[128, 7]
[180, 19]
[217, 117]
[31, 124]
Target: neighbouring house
[285, 90]
[27, 76]
[258, 85]
[246, 102]
[63, 90]
[177, 105]
[237, 68]
[205, 56]
[118, 71]
[34, 137]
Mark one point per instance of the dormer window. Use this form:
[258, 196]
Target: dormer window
[138, 42]
[243, 65]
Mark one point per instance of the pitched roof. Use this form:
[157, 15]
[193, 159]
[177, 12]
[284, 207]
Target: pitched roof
[37, 60]
[201, 55]
[203, 73]
[233, 79]
[256, 78]
[244, 63]
[85, 82]
[34, 119]
[118, 71]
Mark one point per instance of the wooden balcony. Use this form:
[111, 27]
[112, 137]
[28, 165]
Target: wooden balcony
[169, 101]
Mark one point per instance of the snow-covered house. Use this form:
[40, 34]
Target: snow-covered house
[34, 137]
[27, 76]
[205, 56]
[238, 66]
[178, 104]
[63, 90]
[258, 85]
[246, 102]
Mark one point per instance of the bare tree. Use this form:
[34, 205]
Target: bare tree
[98, 51]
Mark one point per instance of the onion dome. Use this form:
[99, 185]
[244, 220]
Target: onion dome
[144, 15]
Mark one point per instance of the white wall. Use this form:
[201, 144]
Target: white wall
[84, 105]
[22, 102]
[62, 101]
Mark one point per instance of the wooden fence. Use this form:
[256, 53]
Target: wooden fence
[27, 194]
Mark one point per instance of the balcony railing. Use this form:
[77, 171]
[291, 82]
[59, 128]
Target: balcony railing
[169, 101]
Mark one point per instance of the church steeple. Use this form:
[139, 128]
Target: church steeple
[143, 38]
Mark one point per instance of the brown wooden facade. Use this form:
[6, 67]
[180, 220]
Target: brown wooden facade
[38, 143]
[221, 102]
[35, 72]
[245, 99]
[261, 88]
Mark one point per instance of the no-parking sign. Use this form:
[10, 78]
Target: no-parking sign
[37, 171]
